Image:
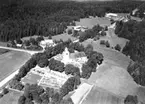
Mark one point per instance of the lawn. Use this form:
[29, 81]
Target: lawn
[31, 78]
[64, 37]
[90, 22]
[11, 61]
[2, 51]
[10, 98]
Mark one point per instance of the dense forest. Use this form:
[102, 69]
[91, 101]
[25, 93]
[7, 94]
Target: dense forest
[46, 17]
[134, 31]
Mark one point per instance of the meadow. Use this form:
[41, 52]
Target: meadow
[31, 78]
[10, 98]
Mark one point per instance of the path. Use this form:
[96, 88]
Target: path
[21, 50]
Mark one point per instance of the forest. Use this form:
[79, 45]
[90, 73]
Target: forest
[46, 17]
[135, 48]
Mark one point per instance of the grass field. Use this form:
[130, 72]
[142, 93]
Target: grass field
[64, 37]
[11, 61]
[31, 78]
[115, 79]
[2, 51]
[10, 98]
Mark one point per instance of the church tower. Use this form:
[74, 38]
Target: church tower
[66, 56]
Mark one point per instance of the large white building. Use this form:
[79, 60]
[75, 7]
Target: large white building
[47, 42]
[111, 15]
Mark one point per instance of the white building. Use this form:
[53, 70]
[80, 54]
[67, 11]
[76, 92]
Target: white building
[111, 15]
[80, 28]
[19, 45]
[134, 11]
[48, 42]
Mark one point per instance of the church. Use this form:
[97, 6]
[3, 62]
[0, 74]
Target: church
[77, 59]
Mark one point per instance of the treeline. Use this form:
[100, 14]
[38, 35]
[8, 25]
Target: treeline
[41, 17]
[134, 31]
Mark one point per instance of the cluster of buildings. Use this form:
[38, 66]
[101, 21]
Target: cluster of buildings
[54, 79]
[47, 42]
[77, 59]
[116, 17]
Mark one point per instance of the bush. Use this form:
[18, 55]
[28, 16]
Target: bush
[131, 100]
[103, 33]
[107, 44]
[69, 31]
[5, 91]
[19, 41]
[118, 47]
[1, 95]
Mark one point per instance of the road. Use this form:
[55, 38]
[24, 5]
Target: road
[21, 50]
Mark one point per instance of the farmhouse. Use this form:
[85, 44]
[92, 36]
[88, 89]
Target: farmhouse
[19, 45]
[111, 15]
[48, 42]
[80, 28]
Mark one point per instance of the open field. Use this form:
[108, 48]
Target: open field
[64, 37]
[114, 79]
[141, 94]
[11, 61]
[31, 78]
[2, 51]
[101, 96]
[110, 77]
[10, 98]
[90, 22]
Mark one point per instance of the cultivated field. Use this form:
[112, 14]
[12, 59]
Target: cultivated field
[10, 98]
[101, 96]
[114, 79]
[11, 61]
